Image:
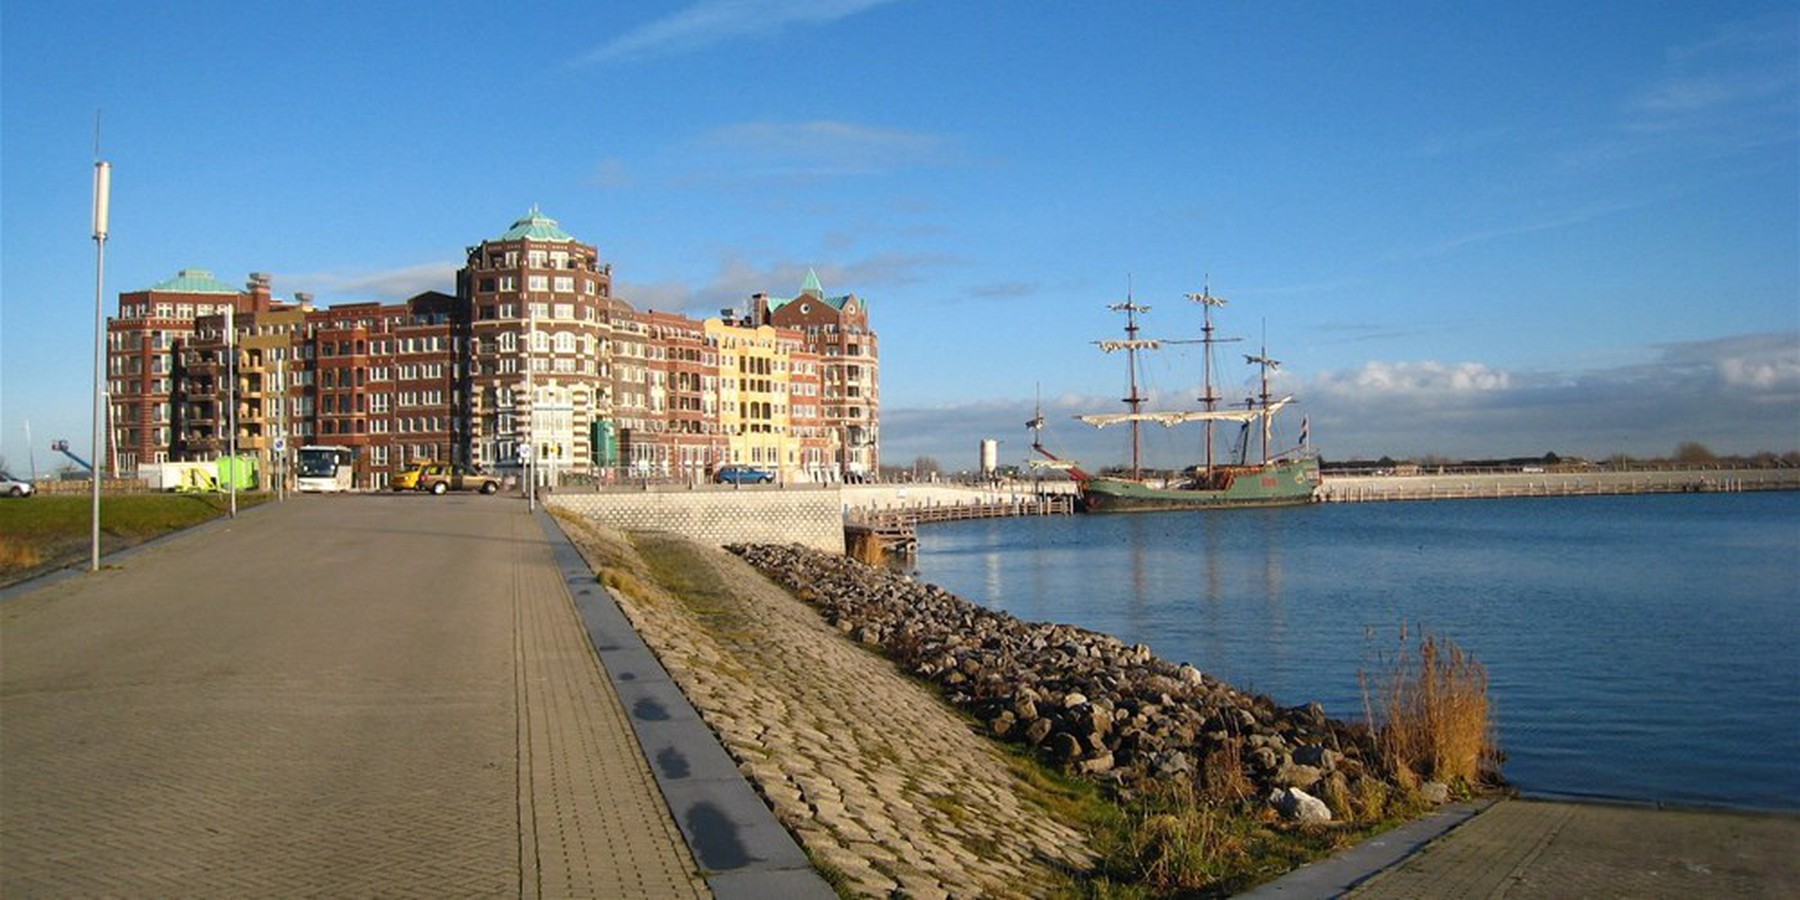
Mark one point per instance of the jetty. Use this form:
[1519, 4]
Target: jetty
[1453, 484]
[884, 520]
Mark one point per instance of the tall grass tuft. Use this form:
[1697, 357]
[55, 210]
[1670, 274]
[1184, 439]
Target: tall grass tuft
[1430, 710]
[16, 554]
[1176, 842]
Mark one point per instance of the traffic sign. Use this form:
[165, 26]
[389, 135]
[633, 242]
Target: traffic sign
[524, 452]
[281, 445]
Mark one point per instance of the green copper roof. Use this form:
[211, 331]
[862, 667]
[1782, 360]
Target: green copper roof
[537, 227]
[810, 288]
[194, 281]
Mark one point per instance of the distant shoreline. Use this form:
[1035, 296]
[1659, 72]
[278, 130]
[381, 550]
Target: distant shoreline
[1446, 484]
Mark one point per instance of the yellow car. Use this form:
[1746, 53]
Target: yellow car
[408, 479]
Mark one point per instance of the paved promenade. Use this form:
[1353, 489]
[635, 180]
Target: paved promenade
[340, 696]
[1552, 849]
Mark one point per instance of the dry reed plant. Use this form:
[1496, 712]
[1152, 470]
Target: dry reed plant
[16, 554]
[1222, 777]
[1181, 848]
[1431, 714]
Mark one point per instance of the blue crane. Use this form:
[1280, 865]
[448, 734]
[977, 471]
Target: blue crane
[63, 448]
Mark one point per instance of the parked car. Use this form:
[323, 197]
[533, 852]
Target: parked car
[743, 475]
[440, 477]
[13, 487]
[408, 479]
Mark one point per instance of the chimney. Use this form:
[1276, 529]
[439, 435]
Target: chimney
[259, 291]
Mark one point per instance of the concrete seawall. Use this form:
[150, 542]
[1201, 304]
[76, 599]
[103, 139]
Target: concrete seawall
[719, 516]
[1479, 485]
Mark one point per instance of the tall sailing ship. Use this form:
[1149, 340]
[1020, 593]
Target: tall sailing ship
[1283, 478]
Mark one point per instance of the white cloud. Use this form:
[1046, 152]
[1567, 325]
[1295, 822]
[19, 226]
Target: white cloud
[736, 278]
[1760, 362]
[390, 285]
[713, 22]
[1414, 379]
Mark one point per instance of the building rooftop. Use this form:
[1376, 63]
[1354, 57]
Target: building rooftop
[537, 227]
[194, 281]
[811, 289]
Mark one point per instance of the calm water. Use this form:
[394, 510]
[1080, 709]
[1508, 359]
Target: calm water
[1641, 647]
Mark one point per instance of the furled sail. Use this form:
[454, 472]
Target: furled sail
[1135, 344]
[1176, 417]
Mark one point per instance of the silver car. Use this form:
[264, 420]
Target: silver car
[13, 487]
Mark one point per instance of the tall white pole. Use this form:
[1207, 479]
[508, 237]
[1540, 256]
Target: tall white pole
[278, 460]
[531, 410]
[231, 402]
[102, 208]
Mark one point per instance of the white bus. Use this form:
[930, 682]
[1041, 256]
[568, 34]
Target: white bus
[324, 468]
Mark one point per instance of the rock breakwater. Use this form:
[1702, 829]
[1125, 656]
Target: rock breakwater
[1086, 700]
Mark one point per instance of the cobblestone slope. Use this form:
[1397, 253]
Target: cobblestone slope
[876, 776]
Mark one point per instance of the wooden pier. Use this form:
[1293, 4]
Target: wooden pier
[871, 534]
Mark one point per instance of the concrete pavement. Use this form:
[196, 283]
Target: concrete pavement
[340, 695]
[1543, 848]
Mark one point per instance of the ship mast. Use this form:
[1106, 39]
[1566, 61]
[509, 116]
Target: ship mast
[1133, 400]
[1211, 399]
[1262, 359]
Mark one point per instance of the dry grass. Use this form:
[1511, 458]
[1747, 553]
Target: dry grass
[16, 554]
[1222, 778]
[1430, 708]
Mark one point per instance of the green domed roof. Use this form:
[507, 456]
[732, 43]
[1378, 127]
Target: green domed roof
[537, 227]
[194, 281]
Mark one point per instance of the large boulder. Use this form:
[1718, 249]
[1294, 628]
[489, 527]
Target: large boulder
[1296, 805]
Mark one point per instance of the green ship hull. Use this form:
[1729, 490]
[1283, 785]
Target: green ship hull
[1283, 483]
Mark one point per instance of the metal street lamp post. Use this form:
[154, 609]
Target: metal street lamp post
[102, 203]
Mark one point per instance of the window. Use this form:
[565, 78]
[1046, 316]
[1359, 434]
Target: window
[565, 284]
[537, 282]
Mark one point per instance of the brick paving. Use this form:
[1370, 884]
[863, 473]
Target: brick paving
[343, 696]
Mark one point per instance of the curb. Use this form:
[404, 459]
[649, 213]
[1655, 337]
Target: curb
[1336, 875]
[741, 849]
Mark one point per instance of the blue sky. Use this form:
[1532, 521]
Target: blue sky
[1466, 230]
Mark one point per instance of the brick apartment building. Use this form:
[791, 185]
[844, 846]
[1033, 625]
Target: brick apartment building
[533, 348]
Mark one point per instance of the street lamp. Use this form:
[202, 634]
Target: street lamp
[102, 204]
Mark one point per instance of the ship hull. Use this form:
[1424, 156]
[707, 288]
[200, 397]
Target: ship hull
[1288, 483]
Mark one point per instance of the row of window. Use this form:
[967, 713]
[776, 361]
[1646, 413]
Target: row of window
[434, 343]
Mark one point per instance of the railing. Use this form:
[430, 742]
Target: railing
[896, 530]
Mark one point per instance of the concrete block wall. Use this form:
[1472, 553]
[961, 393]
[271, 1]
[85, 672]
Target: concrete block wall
[812, 516]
